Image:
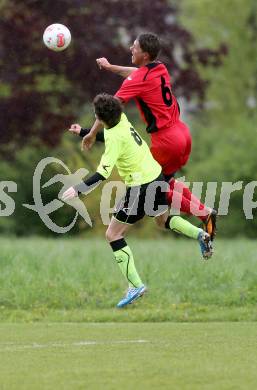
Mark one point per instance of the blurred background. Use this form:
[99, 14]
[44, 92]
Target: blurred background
[210, 50]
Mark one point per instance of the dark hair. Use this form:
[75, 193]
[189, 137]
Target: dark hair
[108, 109]
[150, 44]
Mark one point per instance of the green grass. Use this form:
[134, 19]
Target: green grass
[68, 285]
[140, 356]
[78, 280]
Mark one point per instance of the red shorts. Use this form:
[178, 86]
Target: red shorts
[171, 147]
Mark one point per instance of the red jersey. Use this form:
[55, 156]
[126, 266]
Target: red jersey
[150, 86]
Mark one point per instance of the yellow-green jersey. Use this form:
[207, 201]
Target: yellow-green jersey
[130, 153]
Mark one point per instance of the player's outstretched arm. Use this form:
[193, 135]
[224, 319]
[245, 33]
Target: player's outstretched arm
[123, 71]
[84, 187]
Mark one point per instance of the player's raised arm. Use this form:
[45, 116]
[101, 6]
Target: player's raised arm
[123, 71]
[82, 132]
[75, 129]
[89, 139]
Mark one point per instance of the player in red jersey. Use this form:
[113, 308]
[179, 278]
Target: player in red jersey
[150, 86]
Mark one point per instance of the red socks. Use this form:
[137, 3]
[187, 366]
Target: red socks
[181, 198]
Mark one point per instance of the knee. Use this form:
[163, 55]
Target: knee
[110, 235]
[160, 221]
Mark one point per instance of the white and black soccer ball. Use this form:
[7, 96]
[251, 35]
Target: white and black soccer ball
[57, 37]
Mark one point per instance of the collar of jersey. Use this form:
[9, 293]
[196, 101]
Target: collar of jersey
[123, 116]
[152, 65]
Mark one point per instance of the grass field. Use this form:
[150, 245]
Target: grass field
[78, 280]
[170, 339]
[128, 356]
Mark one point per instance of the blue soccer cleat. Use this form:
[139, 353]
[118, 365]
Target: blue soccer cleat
[205, 244]
[132, 295]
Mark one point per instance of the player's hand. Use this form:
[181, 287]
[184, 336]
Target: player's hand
[87, 142]
[75, 128]
[69, 194]
[103, 63]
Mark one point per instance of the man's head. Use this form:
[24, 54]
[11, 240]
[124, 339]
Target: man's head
[145, 49]
[108, 109]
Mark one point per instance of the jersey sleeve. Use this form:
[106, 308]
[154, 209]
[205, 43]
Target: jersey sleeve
[130, 88]
[109, 157]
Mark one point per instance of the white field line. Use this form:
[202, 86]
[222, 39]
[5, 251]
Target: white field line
[20, 347]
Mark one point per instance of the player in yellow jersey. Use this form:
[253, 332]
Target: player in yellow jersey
[145, 194]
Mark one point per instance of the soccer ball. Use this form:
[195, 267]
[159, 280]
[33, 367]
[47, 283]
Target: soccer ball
[57, 37]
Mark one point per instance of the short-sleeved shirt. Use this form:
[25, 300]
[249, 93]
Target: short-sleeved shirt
[150, 86]
[130, 153]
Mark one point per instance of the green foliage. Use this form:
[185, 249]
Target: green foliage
[232, 84]
[225, 151]
[225, 141]
[21, 171]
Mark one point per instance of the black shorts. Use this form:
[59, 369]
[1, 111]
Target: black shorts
[146, 199]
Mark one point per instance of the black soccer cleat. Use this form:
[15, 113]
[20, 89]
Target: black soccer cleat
[210, 224]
